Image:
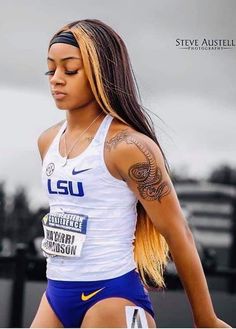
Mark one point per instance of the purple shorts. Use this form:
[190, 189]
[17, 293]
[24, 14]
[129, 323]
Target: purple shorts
[70, 300]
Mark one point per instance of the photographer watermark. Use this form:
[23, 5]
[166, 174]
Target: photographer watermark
[205, 44]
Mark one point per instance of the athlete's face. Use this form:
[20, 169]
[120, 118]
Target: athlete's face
[67, 75]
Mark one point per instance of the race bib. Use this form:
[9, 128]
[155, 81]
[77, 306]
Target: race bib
[64, 234]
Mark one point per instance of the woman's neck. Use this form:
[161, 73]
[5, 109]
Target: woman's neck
[80, 119]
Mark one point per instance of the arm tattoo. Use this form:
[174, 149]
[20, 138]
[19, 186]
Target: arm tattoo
[147, 174]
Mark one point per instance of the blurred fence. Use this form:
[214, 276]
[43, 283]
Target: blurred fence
[211, 213]
[25, 268]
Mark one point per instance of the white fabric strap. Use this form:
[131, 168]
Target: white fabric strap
[135, 317]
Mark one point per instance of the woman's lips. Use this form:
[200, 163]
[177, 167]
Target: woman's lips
[58, 95]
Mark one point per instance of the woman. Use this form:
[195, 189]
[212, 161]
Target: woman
[114, 214]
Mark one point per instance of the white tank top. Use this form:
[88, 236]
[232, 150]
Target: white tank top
[85, 186]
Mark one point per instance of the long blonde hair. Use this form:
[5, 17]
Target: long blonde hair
[107, 66]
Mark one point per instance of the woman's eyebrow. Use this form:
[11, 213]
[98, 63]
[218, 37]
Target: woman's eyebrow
[64, 59]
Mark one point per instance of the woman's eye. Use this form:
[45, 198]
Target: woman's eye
[71, 72]
[66, 72]
[49, 73]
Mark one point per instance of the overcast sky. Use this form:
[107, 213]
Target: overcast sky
[193, 92]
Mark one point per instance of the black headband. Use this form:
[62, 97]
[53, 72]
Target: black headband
[64, 37]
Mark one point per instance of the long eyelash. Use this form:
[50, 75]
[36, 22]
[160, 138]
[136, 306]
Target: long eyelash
[67, 72]
[48, 73]
[72, 72]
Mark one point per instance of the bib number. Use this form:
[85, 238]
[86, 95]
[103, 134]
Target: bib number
[64, 234]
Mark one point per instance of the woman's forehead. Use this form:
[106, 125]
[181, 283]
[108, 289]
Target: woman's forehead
[62, 51]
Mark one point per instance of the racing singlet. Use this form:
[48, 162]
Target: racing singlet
[89, 231]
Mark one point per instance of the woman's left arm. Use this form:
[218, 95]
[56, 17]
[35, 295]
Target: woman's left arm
[140, 163]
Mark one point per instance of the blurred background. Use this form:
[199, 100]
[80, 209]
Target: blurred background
[191, 95]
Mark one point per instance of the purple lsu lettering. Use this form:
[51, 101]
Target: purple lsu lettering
[65, 187]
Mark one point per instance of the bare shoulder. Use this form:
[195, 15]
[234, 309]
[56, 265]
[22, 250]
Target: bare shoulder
[127, 147]
[124, 140]
[46, 138]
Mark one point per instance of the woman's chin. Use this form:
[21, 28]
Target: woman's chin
[61, 106]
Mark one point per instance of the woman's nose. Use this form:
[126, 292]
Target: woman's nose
[57, 78]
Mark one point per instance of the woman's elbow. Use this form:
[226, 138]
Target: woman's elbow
[181, 232]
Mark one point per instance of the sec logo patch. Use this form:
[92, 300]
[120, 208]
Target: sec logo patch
[50, 169]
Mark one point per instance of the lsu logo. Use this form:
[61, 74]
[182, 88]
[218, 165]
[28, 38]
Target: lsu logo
[65, 187]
